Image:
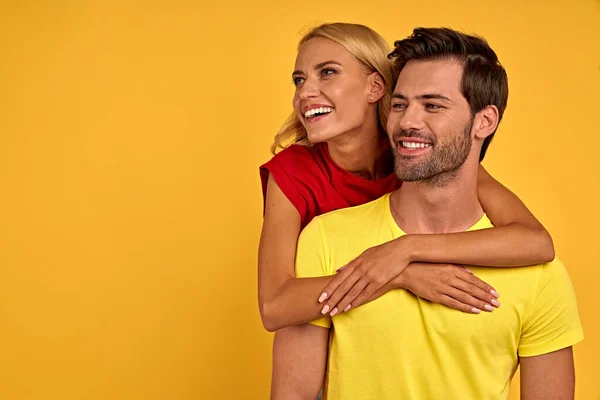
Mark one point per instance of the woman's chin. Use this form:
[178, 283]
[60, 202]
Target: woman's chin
[319, 137]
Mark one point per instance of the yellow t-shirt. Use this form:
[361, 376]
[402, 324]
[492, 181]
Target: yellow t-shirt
[403, 347]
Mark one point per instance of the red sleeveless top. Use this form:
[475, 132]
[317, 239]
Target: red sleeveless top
[316, 185]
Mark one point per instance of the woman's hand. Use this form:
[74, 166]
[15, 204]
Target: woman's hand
[453, 286]
[384, 267]
[357, 281]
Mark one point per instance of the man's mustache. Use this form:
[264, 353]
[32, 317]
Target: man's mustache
[411, 133]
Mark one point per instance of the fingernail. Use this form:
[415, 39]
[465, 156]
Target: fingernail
[324, 310]
[349, 306]
[494, 293]
[475, 310]
[495, 302]
[323, 297]
[488, 307]
[469, 270]
[335, 310]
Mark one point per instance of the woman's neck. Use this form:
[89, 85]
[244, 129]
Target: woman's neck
[364, 153]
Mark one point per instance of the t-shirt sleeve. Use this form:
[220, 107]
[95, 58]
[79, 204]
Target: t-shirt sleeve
[311, 258]
[279, 167]
[553, 320]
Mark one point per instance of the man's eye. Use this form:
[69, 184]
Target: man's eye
[399, 106]
[430, 106]
[297, 81]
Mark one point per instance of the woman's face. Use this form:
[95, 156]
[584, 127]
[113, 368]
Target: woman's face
[332, 90]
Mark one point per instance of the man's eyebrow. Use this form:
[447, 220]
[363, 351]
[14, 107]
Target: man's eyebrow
[426, 96]
[317, 66]
[435, 96]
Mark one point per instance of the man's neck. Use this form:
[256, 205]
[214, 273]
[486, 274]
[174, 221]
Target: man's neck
[448, 204]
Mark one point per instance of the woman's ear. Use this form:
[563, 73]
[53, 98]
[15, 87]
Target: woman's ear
[376, 87]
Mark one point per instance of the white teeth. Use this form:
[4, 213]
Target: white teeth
[414, 145]
[319, 110]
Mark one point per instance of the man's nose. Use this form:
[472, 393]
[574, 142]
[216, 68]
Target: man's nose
[412, 118]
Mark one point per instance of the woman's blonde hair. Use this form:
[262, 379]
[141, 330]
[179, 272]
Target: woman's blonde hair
[370, 49]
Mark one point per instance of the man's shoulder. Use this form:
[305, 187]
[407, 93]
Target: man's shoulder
[353, 215]
[482, 223]
[554, 269]
[335, 238]
[530, 284]
[347, 225]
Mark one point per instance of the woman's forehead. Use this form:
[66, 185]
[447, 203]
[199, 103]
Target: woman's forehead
[319, 50]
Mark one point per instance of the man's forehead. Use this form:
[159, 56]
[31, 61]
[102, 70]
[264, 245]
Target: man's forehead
[433, 76]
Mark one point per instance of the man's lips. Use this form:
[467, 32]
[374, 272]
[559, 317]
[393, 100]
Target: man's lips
[412, 145]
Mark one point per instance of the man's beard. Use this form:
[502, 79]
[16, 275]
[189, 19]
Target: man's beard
[443, 163]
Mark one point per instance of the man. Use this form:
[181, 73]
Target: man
[449, 98]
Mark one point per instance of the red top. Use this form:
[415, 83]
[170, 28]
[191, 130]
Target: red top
[316, 185]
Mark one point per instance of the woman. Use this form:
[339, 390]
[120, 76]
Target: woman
[340, 157]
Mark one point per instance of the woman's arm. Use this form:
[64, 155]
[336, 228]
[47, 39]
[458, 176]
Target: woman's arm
[285, 300]
[505, 209]
[518, 239]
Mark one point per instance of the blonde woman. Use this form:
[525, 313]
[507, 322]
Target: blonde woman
[336, 154]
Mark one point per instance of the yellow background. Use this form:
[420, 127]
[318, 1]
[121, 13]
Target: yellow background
[130, 139]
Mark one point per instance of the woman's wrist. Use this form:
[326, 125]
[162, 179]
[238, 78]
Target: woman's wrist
[400, 281]
[406, 249]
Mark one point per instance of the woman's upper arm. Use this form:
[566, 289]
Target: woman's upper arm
[505, 209]
[501, 205]
[278, 240]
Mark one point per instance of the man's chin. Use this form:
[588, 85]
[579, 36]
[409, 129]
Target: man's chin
[415, 173]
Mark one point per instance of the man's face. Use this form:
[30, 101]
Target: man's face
[430, 122]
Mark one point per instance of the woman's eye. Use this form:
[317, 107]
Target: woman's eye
[328, 71]
[297, 80]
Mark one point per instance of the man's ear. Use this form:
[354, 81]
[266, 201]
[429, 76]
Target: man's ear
[376, 87]
[485, 122]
